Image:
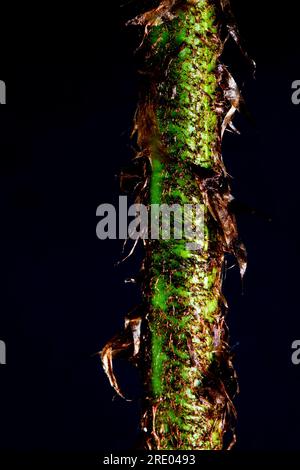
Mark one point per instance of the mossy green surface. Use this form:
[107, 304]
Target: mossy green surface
[185, 286]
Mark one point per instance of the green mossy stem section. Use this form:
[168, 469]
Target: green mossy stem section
[186, 405]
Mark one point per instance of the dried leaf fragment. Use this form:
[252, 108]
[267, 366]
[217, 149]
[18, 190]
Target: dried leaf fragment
[125, 343]
[116, 346]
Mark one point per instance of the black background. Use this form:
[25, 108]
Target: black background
[64, 135]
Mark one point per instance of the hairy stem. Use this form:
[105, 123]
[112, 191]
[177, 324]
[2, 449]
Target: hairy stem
[179, 336]
[189, 376]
